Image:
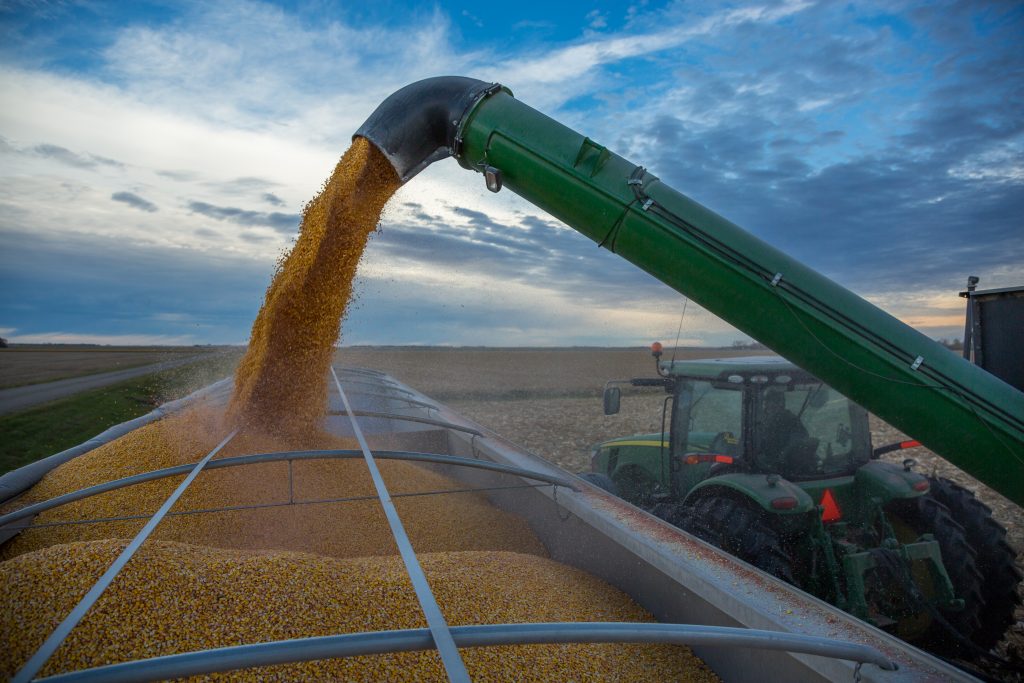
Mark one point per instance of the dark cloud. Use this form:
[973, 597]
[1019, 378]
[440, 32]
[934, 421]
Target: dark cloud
[66, 156]
[271, 198]
[76, 283]
[862, 153]
[206, 232]
[132, 199]
[426, 217]
[533, 251]
[284, 223]
[532, 223]
[475, 217]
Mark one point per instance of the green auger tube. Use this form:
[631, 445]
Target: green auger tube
[958, 410]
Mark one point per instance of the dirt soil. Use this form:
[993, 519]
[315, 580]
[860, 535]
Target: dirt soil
[452, 373]
[24, 365]
[548, 402]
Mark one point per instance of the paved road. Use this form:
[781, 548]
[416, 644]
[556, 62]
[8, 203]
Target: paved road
[22, 398]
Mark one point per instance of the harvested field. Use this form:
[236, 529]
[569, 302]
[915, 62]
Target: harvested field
[23, 365]
[490, 373]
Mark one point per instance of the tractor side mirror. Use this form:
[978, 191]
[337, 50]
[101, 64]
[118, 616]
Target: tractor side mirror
[612, 395]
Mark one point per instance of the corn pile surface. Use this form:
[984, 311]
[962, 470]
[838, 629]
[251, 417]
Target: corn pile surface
[351, 529]
[281, 383]
[175, 598]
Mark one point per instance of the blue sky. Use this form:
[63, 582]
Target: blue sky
[154, 158]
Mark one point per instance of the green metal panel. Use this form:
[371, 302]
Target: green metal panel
[887, 481]
[756, 488]
[720, 368]
[958, 410]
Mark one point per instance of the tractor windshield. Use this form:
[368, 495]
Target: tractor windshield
[710, 417]
[809, 430]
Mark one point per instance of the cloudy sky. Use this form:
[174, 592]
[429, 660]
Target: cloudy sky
[155, 156]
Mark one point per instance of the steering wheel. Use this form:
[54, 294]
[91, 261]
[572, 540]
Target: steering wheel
[800, 456]
[725, 443]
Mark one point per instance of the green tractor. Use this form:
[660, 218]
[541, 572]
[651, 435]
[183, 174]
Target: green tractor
[763, 460]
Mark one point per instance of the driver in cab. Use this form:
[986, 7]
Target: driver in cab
[782, 434]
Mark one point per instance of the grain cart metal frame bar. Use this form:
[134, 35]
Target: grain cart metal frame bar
[409, 418]
[439, 630]
[961, 412]
[53, 641]
[398, 399]
[385, 642]
[290, 456]
[378, 385]
[289, 503]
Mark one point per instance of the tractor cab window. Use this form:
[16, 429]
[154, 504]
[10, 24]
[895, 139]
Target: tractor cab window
[709, 419]
[809, 430]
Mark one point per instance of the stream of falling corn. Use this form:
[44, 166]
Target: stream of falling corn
[281, 383]
[251, 575]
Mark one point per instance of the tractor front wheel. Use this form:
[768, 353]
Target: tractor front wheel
[740, 529]
[638, 487]
[601, 481]
[995, 559]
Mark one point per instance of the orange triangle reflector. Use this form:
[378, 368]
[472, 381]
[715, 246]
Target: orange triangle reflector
[830, 511]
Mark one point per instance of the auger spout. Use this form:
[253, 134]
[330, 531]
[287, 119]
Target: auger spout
[419, 124]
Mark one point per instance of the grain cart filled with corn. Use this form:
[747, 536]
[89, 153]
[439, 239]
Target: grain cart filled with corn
[294, 554]
[938, 567]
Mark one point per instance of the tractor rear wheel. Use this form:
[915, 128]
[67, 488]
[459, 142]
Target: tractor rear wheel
[994, 559]
[738, 528]
[926, 515]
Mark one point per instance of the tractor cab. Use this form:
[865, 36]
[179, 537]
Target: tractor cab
[757, 415]
[763, 415]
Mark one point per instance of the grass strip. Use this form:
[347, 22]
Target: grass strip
[40, 431]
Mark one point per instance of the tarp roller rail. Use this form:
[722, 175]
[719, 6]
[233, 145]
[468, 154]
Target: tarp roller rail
[439, 632]
[256, 458]
[380, 642]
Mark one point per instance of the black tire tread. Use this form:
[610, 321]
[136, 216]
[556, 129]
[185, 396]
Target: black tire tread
[736, 527]
[995, 559]
[927, 515]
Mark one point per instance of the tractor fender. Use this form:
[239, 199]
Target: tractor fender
[757, 488]
[887, 481]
